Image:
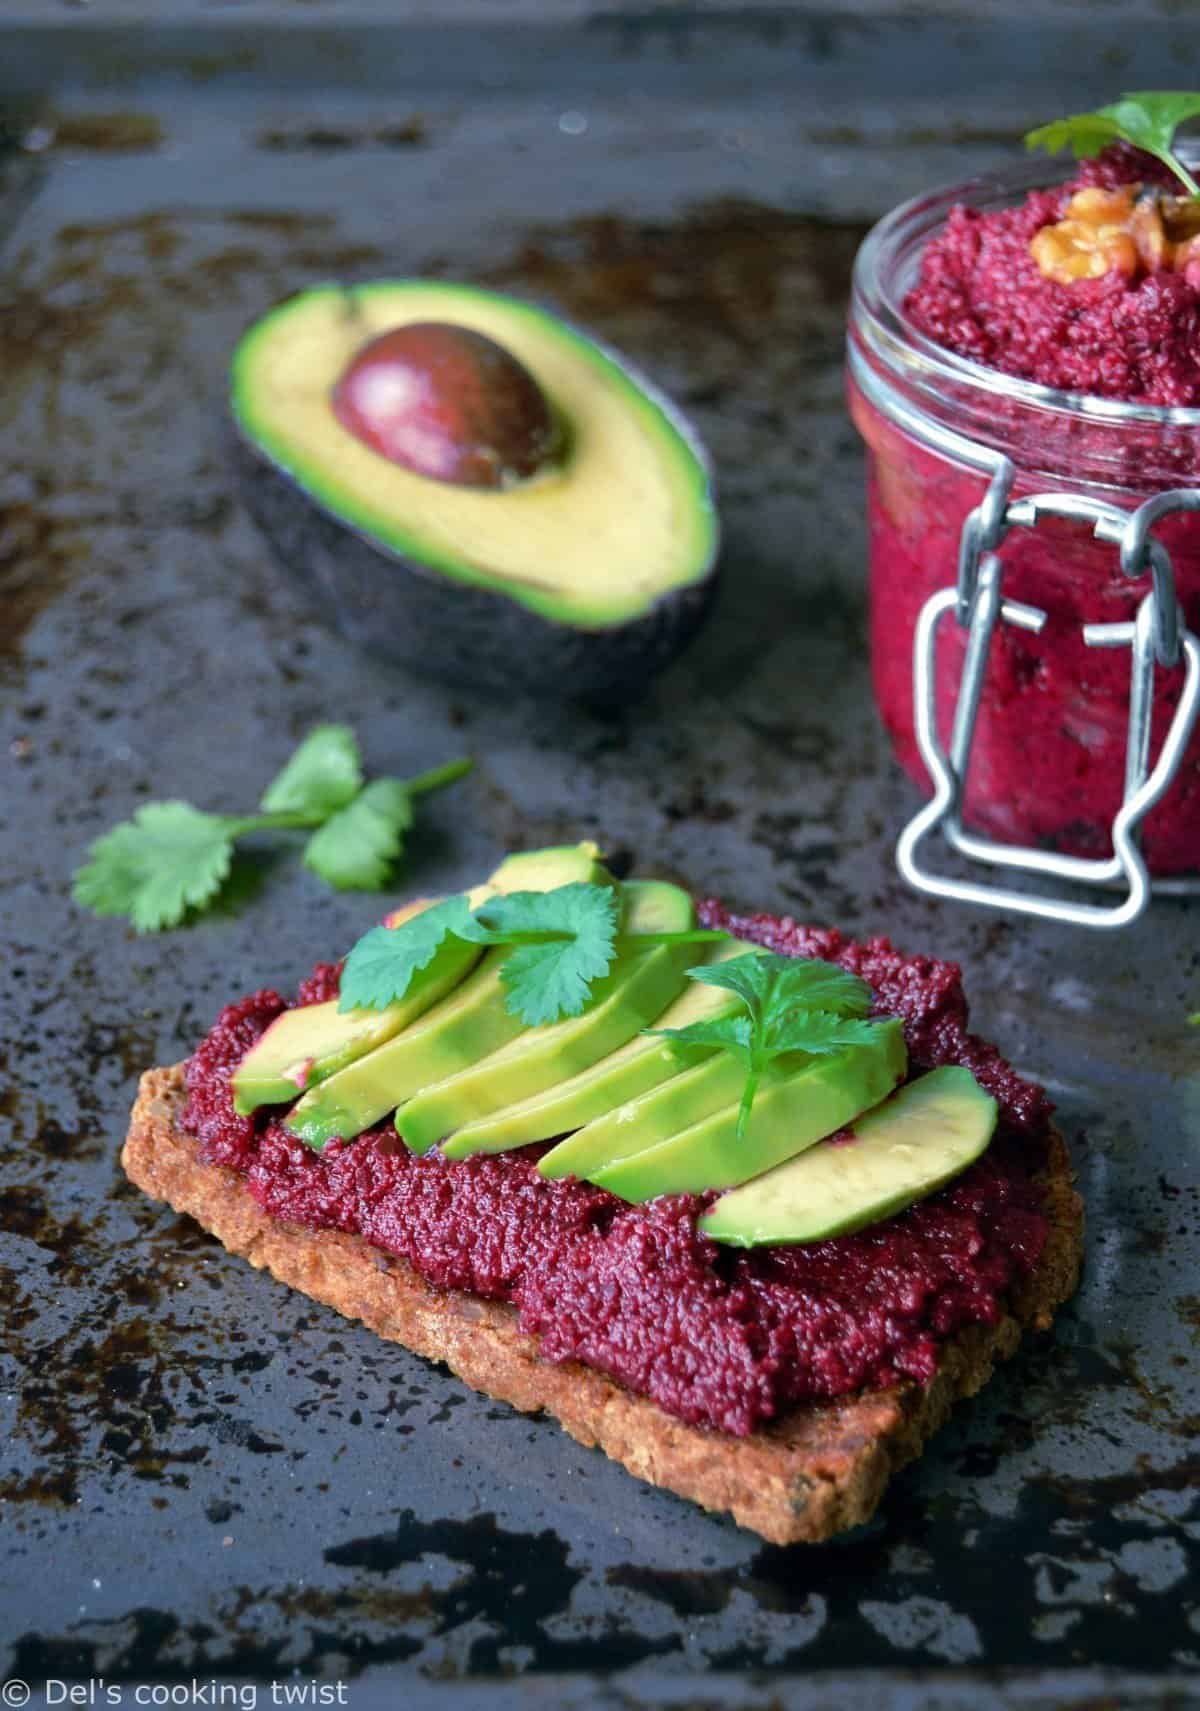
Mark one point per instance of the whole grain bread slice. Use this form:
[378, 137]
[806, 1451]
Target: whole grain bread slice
[820, 1469]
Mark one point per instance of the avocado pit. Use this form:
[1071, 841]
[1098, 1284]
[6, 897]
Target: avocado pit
[448, 403]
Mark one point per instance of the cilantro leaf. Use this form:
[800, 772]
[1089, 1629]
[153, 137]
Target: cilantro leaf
[380, 967]
[1087, 134]
[323, 775]
[816, 1032]
[357, 847]
[813, 1032]
[547, 982]
[770, 985]
[566, 910]
[562, 941]
[733, 1033]
[815, 985]
[1146, 118]
[746, 975]
[793, 1004]
[1150, 117]
[577, 927]
[172, 857]
[169, 858]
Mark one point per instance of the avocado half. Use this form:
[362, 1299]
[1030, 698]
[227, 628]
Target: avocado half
[580, 582]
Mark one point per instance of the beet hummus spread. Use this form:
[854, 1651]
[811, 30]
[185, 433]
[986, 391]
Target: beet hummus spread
[1092, 288]
[718, 1337]
[1131, 333]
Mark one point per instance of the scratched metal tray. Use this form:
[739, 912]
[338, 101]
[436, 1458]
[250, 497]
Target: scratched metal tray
[205, 1476]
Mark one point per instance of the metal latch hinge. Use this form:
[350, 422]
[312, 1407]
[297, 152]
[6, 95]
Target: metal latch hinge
[1156, 637]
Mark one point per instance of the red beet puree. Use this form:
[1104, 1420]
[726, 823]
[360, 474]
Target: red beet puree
[716, 1337]
[1128, 335]
[1048, 760]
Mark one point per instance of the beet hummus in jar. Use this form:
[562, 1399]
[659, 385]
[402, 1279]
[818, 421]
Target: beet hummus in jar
[1049, 331]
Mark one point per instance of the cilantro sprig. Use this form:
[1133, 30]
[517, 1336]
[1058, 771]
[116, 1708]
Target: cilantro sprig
[560, 943]
[1147, 118]
[171, 857]
[793, 1004]
[563, 941]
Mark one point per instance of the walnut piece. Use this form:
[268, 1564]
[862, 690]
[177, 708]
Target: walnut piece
[1130, 230]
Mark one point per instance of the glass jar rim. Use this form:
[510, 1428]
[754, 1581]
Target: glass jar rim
[874, 293]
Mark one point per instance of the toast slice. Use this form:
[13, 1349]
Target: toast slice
[816, 1471]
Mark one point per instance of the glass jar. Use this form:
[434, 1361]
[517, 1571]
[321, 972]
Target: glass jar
[1048, 760]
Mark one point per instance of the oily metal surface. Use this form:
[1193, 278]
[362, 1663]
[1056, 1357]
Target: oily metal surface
[204, 1475]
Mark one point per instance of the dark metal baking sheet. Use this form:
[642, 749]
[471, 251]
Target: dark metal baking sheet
[204, 1476]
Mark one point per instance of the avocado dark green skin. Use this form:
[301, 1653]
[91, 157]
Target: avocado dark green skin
[403, 611]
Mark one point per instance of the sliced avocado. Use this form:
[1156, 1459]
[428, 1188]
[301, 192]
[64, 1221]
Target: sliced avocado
[791, 1112]
[649, 1119]
[543, 870]
[467, 1025]
[580, 580]
[470, 1023]
[644, 1062]
[306, 1046]
[654, 906]
[546, 870]
[630, 996]
[926, 1134]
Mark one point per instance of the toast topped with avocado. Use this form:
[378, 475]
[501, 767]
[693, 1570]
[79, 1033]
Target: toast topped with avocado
[741, 1202]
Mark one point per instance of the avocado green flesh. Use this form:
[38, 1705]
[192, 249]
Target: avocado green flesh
[790, 1113]
[634, 1068]
[644, 985]
[654, 906]
[631, 995]
[312, 1043]
[546, 870]
[914, 1143]
[537, 870]
[647, 1120]
[472, 1022]
[306, 1046]
[557, 543]
[468, 1025]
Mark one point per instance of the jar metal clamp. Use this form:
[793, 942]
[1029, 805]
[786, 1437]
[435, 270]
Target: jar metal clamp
[1156, 638]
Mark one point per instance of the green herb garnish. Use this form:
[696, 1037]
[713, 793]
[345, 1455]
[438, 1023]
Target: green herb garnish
[793, 1004]
[323, 775]
[172, 857]
[1148, 119]
[564, 940]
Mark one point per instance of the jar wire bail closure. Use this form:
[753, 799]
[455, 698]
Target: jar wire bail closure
[1156, 637]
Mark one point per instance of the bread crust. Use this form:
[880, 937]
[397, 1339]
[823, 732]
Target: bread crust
[818, 1470]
